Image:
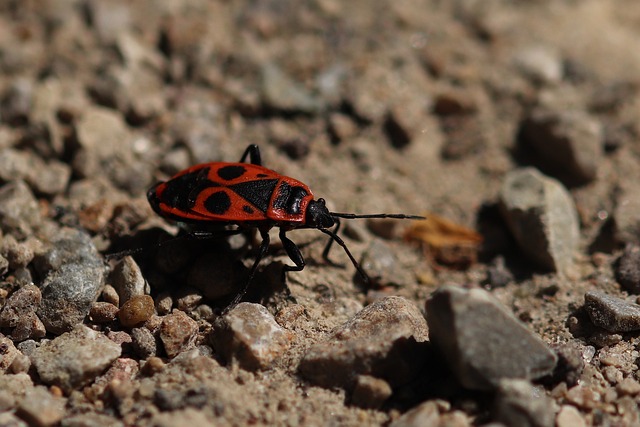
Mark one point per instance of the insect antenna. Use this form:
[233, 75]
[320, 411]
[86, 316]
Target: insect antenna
[355, 263]
[383, 215]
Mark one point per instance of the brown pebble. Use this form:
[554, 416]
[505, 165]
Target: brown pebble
[136, 311]
[153, 365]
[103, 312]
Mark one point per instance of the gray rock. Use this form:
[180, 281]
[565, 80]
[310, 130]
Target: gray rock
[74, 278]
[542, 217]
[249, 335]
[628, 269]
[611, 313]
[19, 210]
[625, 213]
[41, 408]
[143, 343]
[519, 404]
[568, 144]
[178, 333]
[128, 280]
[386, 340]
[482, 341]
[74, 358]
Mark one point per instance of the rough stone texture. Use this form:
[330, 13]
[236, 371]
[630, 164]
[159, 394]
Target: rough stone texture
[128, 280]
[8, 353]
[74, 278]
[178, 333]
[542, 217]
[103, 312]
[74, 358]
[628, 269]
[569, 416]
[625, 213]
[41, 408]
[19, 213]
[611, 313]
[385, 340]
[520, 404]
[19, 314]
[481, 341]
[249, 335]
[569, 144]
[144, 343]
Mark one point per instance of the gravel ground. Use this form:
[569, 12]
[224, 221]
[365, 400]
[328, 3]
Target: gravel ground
[513, 126]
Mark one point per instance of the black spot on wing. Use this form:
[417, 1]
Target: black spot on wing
[218, 203]
[181, 192]
[231, 172]
[257, 192]
[248, 209]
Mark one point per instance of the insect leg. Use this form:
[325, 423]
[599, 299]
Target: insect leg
[264, 246]
[253, 152]
[363, 274]
[325, 252]
[293, 252]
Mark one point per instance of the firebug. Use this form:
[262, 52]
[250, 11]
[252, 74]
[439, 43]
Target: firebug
[248, 195]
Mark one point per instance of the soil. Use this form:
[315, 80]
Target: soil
[412, 107]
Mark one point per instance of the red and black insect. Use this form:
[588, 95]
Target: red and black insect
[249, 195]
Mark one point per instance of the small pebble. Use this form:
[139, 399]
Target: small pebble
[519, 403]
[19, 314]
[425, 414]
[74, 358]
[568, 143]
[481, 341]
[74, 276]
[391, 332]
[8, 353]
[110, 295]
[370, 392]
[164, 303]
[103, 312]
[137, 310]
[178, 333]
[542, 217]
[627, 269]
[144, 343]
[628, 387]
[569, 416]
[611, 313]
[127, 279]
[153, 366]
[249, 335]
[41, 408]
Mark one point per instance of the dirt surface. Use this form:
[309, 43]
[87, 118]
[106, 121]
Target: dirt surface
[417, 107]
